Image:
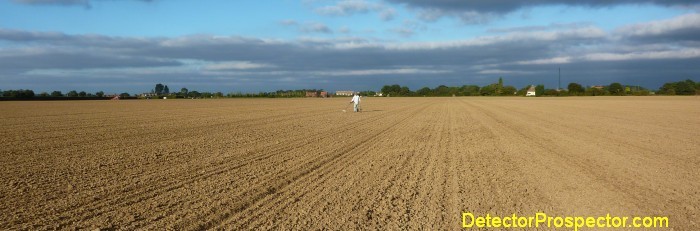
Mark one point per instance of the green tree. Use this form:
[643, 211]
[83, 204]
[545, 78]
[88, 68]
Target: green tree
[100, 94]
[405, 91]
[184, 92]
[551, 92]
[616, 89]
[425, 91]
[386, 90]
[389, 90]
[499, 87]
[668, 89]
[21, 93]
[509, 90]
[159, 89]
[124, 95]
[56, 94]
[539, 90]
[72, 93]
[82, 93]
[9, 94]
[470, 90]
[43, 94]
[592, 91]
[166, 90]
[368, 93]
[685, 88]
[442, 90]
[488, 89]
[575, 89]
[523, 91]
[195, 94]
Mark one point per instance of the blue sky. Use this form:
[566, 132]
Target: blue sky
[248, 46]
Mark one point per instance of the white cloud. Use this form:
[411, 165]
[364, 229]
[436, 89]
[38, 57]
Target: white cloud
[351, 7]
[348, 7]
[85, 3]
[344, 30]
[405, 32]
[289, 22]
[387, 14]
[555, 60]
[652, 55]
[236, 65]
[112, 72]
[315, 27]
[501, 72]
[587, 33]
[683, 22]
[307, 27]
[509, 52]
[381, 72]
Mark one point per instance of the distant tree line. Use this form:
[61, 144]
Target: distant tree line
[686, 87]
[21, 93]
[495, 89]
[29, 94]
[160, 90]
[275, 94]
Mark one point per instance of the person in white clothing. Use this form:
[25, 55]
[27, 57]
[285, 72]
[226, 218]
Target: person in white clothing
[356, 100]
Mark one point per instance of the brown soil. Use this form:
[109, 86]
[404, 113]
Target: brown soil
[403, 163]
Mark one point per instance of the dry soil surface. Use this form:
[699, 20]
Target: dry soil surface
[402, 163]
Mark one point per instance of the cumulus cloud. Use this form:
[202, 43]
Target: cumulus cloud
[375, 72]
[54, 2]
[685, 27]
[555, 60]
[587, 54]
[387, 14]
[505, 6]
[348, 7]
[480, 11]
[351, 7]
[501, 72]
[468, 16]
[408, 28]
[289, 22]
[405, 32]
[236, 65]
[85, 3]
[687, 53]
[307, 27]
[553, 26]
[315, 27]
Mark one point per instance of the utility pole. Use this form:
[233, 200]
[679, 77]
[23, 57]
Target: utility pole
[559, 89]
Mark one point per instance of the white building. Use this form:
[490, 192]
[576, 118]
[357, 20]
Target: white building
[531, 91]
[344, 93]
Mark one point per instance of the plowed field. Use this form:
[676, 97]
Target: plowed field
[402, 163]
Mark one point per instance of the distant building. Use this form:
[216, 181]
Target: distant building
[344, 93]
[598, 87]
[148, 95]
[379, 94]
[531, 91]
[324, 94]
[311, 94]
